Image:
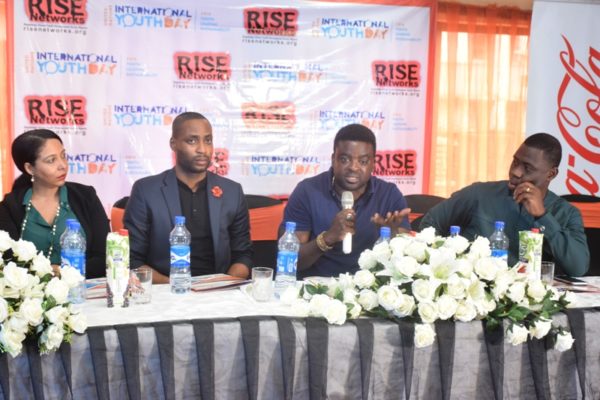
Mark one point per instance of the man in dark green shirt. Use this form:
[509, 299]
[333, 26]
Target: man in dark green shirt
[523, 202]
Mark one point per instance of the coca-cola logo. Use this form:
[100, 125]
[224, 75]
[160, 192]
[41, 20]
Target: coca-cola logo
[578, 116]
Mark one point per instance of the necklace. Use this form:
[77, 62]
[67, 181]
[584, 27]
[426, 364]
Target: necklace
[53, 231]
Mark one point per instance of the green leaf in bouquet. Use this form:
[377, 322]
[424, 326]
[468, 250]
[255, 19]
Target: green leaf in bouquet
[518, 313]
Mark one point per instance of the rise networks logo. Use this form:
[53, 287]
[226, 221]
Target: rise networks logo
[396, 163]
[280, 115]
[333, 120]
[202, 69]
[135, 16]
[354, 29]
[64, 114]
[56, 16]
[128, 115]
[396, 77]
[58, 63]
[271, 25]
[268, 165]
[92, 163]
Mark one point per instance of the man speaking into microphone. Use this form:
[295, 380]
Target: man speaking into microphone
[338, 213]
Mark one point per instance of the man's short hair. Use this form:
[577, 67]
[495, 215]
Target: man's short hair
[183, 117]
[548, 144]
[355, 133]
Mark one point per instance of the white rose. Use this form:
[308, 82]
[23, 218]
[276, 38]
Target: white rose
[335, 313]
[464, 267]
[517, 334]
[318, 304]
[290, 295]
[31, 309]
[350, 295]
[427, 235]
[427, 311]
[486, 268]
[465, 311]
[382, 252]
[17, 323]
[485, 307]
[368, 299]
[11, 341]
[443, 270]
[540, 328]
[446, 306]
[34, 287]
[57, 289]
[407, 266]
[41, 265]
[502, 282]
[536, 290]
[5, 241]
[406, 308]
[476, 290]
[52, 337]
[458, 244]
[332, 287]
[367, 260]
[15, 277]
[398, 244]
[24, 250]
[417, 250]
[423, 289]
[564, 341]
[389, 297]
[8, 292]
[480, 248]
[57, 315]
[354, 310]
[516, 292]
[77, 322]
[346, 281]
[424, 335]
[364, 279]
[571, 298]
[70, 276]
[300, 308]
[3, 309]
[456, 287]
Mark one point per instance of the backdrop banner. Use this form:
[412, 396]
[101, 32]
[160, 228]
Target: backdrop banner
[563, 97]
[276, 82]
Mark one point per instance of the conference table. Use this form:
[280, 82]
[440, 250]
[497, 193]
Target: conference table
[225, 345]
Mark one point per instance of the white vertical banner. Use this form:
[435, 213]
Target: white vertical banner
[275, 79]
[564, 88]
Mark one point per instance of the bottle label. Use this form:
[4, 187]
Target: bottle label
[287, 262]
[499, 253]
[180, 256]
[73, 258]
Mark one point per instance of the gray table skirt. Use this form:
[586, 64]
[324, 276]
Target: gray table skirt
[285, 358]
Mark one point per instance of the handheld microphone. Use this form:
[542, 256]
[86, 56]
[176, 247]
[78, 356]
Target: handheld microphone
[347, 204]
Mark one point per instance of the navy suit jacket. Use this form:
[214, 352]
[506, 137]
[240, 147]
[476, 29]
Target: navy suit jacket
[153, 205]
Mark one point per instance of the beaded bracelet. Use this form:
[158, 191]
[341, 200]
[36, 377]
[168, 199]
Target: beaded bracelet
[321, 244]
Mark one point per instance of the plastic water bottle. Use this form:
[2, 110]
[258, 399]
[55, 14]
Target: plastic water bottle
[499, 242]
[180, 276]
[454, 230]
[287, 259]
[72, 253]
[384, 235]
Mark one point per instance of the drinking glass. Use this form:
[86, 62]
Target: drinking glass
[262, 283]
[547, 272]
[141, 285]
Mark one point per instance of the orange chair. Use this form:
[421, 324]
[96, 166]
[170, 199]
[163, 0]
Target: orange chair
[116, 214]
[266, 214]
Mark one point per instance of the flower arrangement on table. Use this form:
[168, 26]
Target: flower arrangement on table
[33, 301]
[425, 278]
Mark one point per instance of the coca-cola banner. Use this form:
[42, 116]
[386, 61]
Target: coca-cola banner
[277, 79]
[564, 88]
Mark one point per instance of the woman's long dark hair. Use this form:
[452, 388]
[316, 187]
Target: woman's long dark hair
[26, 149]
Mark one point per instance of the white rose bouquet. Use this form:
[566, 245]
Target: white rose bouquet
[33, 302]
[426, 278]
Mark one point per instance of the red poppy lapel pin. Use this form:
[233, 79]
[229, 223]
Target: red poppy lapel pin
[217, 191]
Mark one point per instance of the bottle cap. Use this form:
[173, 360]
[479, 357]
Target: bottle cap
[535, 230]
[290, 226]
[499, 224]
[385, 231]
[454, 230]
[123, 232]
[75, 224]
[179, 220]
[69, 223]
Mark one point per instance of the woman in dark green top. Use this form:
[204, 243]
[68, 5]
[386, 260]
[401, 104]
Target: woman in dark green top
[41, 201]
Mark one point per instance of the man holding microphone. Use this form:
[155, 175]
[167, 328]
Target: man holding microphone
[344, 207]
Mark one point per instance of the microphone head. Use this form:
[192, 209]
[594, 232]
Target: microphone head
[347, 199]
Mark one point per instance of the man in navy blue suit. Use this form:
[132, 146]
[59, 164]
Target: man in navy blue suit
[215, 209]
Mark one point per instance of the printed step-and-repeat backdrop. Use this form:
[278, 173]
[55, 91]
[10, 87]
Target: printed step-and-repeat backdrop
[275, 80]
